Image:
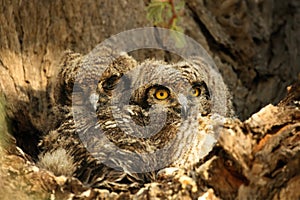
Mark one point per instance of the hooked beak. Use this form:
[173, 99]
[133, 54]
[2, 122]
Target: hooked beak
[184, 104]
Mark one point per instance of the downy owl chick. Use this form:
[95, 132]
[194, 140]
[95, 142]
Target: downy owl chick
[125, 120]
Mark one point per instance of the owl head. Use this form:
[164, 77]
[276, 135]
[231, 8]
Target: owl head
[179, 89]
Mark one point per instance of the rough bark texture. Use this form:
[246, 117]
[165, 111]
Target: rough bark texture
[254, 43]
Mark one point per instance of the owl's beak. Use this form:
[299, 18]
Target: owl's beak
[184, 104]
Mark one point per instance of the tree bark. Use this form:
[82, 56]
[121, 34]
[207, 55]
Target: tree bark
[254, 43]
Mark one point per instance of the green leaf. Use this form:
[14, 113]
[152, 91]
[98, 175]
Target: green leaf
[180, 6]
[160, 13]
[155, 11]
[168, 12]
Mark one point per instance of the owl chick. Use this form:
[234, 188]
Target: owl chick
[125, 120]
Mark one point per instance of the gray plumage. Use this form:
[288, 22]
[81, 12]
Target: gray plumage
[124, 120]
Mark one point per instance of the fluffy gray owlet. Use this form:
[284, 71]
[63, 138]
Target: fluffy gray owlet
[124, 120]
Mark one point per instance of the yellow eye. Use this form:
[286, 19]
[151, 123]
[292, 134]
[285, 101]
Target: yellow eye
[161, 94]
[196, 91]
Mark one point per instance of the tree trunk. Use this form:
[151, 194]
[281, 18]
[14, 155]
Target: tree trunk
[254, 43]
